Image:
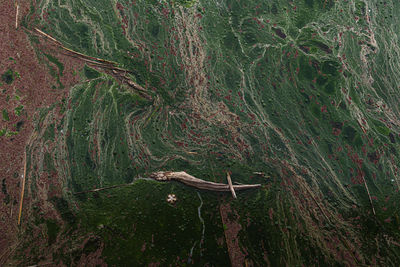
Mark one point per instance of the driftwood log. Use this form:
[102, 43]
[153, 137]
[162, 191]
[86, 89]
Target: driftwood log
[190, 180]
[186, 179]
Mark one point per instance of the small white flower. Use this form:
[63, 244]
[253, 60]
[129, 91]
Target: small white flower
[171, 198]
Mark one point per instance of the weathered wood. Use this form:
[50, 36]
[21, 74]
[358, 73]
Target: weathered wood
[228, 177]
[190, 180]
[186, 179]
[16, 14]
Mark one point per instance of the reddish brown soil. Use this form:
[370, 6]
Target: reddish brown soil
[232, 229]
[34, 89]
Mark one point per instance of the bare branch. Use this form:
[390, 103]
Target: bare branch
[190, 180]
[16, 15]
[228, 177]
[102, 188]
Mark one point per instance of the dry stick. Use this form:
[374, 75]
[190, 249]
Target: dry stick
[22, 192]
[91, 62]
[16, 15]
[349, 249]
[103, 188]
[316, 202]
[228, 177]
[77, 53]
[370, 200]
[88, 57]
[48, 36]
[108, 65]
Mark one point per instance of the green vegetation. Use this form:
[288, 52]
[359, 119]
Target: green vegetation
[185, 3]
[91, 73]
[5, 115]
[52, 231]
[10, 133]
[8, 76]
[18, 110]
[55, 61]
[125, 218]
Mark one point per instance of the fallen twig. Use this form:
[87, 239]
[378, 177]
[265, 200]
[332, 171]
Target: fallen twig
[228, 177]
[48, 36]
[370, 199]
[22, 192]
[102, 188]
[16, 15]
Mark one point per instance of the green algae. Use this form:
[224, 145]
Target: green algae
[18, 110]
[5, 115]
[55, 61]
[90, 73]
[139, 239]
[8, 76]
[52, 231]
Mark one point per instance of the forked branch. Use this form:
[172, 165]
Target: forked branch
[190, 180]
